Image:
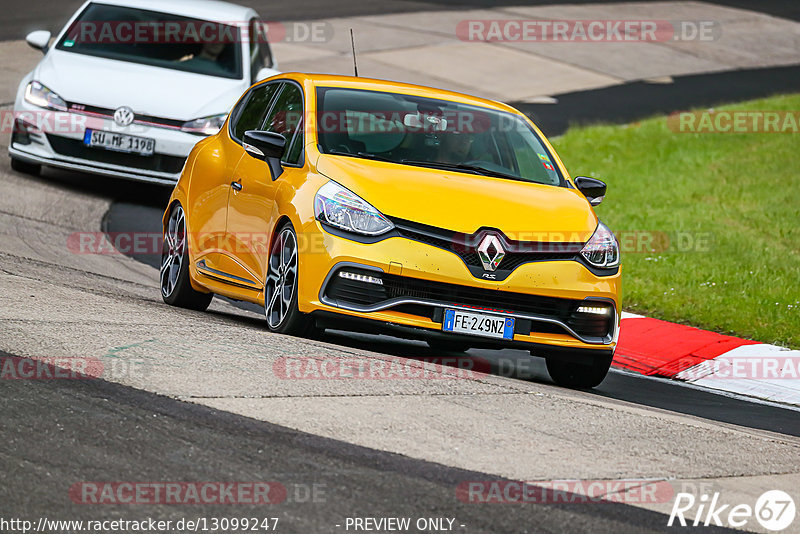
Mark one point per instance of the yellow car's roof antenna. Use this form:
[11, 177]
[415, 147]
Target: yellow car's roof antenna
[353, 45]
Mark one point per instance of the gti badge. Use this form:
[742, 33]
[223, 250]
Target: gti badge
[491, 252]
[123, 116]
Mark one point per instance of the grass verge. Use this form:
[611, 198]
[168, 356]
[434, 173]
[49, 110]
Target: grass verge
[719, 211]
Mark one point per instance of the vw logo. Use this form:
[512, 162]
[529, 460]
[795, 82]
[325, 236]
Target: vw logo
[491, 252]
[123, 116]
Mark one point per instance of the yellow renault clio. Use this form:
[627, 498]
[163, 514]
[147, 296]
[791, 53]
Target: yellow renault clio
[370, 205]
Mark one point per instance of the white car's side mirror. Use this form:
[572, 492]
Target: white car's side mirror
[39, 40]
[265, 73]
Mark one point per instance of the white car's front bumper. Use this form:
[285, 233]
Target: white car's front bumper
[56, 140]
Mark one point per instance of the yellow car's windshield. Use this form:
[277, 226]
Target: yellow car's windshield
[414, 130]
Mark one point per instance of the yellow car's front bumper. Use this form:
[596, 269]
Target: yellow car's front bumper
[422, 279]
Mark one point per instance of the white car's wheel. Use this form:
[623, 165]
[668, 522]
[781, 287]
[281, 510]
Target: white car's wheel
[25, 167]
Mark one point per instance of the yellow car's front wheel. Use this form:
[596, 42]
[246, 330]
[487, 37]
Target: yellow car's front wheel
[280, 291]
[579, 375]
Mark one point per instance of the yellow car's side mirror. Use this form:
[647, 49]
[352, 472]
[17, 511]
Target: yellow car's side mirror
[266, 146]
[593, 189]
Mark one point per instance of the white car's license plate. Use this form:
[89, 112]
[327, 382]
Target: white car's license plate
[478, 324]
[119, 142]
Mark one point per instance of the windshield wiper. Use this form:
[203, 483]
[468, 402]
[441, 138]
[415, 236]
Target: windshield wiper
[478, 169]
[365, 155]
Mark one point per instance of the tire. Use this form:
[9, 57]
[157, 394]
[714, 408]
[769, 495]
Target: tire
[444, 345]
[579, 375]
[280, 291]
[25, 167]
[176, 287]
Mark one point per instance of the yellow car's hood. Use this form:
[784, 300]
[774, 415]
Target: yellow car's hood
[465, 202]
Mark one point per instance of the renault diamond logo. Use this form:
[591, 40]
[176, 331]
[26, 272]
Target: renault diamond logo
[123, 116]
[491, 252]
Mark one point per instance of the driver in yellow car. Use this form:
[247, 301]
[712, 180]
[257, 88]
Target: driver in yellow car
[455, 147]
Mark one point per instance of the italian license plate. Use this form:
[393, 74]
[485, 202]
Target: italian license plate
[119, 142]
[478, 324]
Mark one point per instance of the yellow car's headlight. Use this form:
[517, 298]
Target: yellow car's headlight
[602, 250]
[341, 208]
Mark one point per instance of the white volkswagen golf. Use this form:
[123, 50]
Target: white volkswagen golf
[128, 87]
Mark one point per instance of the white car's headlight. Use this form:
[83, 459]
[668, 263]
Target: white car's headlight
[602, 250]
[39, 95]
[341, 208]
[205, 125]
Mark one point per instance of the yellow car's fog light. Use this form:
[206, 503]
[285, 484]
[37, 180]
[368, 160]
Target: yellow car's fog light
[595, 310]
[360, 277]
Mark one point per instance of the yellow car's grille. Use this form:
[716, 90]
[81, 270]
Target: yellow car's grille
[396, 291]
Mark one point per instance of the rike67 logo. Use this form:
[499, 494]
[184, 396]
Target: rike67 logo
[774, 510]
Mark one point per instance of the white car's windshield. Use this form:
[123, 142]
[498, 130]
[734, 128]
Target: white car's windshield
[421, 131]
[157, 39]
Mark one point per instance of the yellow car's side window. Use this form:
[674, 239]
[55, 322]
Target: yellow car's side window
[285, 118]
[254, 110]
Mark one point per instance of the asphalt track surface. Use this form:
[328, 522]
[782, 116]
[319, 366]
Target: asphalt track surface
[629, 102]
[66, 431]
[22, 16]
[101, 436]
